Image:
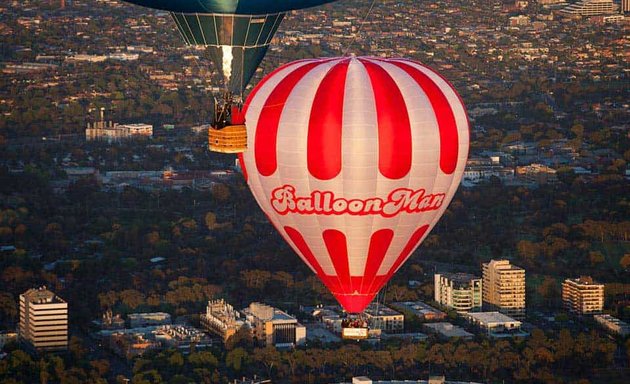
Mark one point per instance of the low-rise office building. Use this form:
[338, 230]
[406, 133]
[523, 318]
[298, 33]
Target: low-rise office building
[496, 324]
[613, 325]
[447, 330]
[271, 326]
[384, 318]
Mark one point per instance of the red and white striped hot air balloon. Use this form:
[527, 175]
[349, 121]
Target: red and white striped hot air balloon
[354, 160]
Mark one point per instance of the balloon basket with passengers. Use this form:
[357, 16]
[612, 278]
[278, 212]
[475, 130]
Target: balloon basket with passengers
[355, 327]
[228, 133]
[353, 159]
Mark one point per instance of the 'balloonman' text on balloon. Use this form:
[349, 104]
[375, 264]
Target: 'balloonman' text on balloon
[401, 200]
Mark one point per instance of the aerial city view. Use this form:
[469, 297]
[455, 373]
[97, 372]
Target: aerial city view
[314, 191]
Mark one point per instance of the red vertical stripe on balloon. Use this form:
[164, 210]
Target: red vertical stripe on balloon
[241, 162]
[324, 129]
[411, 245]
[262, 82]
[338, 251]
[379, 244]
[297, 239]
[449, 142]
[265, 147]
[394, 128]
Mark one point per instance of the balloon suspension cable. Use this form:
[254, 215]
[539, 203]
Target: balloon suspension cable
[380, 297]
[356, 35]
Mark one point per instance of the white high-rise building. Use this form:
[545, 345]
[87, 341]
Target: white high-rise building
[504, 288]
[43, 320]
[459, 291]
[590, 8]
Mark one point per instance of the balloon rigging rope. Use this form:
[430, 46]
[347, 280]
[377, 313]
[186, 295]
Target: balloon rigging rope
[356, 35]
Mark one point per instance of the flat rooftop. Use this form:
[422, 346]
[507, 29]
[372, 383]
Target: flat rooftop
[491, 317]
[460, 277]
[280, 315]
[448, 329]
[42, 296]
[418, 308]
[381, 310]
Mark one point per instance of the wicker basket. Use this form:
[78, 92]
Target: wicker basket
[231, 139]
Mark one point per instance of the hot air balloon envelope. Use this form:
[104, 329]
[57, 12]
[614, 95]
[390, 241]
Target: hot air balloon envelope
[239, 7]
[236, 32]
[354, 160]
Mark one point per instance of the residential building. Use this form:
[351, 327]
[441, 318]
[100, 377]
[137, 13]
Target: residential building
[271, 326]
[613, 325]
[109, 131]
[537, 174]
[479, 169]
[384, 318]
[459, 291]
[625, 6]
[589, 8]
[88, 58]
[43, 320]
[504, 288]
[496, 324]
[27, 67]
[222, 319]
[138, 320]
[519, 20]
[583, 296]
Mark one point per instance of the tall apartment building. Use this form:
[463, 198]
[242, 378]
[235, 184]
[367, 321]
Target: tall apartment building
[589, 8]
[625, 6]
[459, 291]
[43, 320]
[504, 288]
[583, 296]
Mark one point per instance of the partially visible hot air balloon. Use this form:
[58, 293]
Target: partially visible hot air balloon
[237, 34]
[354, 160]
